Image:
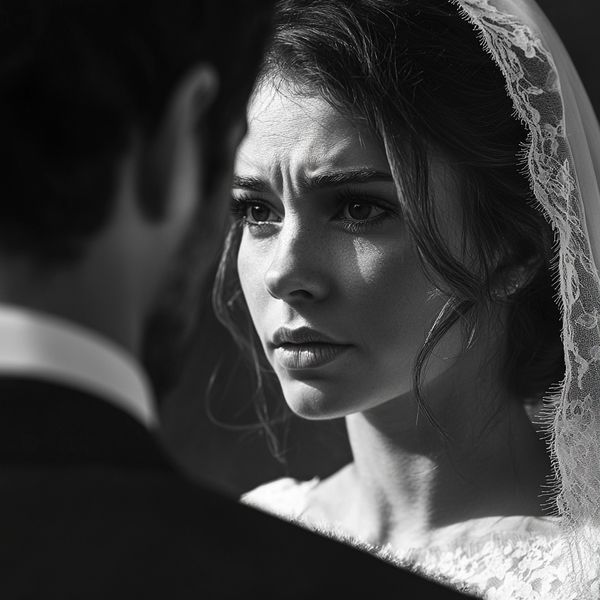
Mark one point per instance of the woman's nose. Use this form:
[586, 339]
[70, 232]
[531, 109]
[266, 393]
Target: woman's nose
[298, 269]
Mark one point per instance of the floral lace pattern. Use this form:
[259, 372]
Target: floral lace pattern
[519, 564]
[573, 412]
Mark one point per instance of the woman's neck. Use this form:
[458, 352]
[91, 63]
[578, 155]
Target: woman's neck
[410, 481]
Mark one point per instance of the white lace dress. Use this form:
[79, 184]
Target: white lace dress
[517, 558]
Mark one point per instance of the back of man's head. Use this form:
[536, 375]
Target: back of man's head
[77, 77]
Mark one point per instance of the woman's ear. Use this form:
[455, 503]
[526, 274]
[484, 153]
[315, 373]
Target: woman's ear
[509, 279]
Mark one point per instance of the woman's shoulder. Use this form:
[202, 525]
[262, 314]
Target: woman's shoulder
[285, 497]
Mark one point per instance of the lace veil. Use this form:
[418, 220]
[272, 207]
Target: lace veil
[563, 162]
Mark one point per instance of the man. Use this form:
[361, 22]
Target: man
[119, 122]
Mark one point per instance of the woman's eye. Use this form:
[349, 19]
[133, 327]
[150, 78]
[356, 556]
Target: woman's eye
[359, 214]
[361, 211]
[258, 213]
[253, 212]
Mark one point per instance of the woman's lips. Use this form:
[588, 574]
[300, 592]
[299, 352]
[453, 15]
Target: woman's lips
[307, 355]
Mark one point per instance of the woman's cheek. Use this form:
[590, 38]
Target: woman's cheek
[251, 264]
[391, 282]
[369, 260]
[384, 266]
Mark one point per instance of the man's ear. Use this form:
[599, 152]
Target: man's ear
[170, 174]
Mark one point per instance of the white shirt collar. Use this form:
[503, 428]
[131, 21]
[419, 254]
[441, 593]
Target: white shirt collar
[47, 347]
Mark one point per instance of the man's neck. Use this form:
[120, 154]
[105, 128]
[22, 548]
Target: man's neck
[92, 292]
[41, 346]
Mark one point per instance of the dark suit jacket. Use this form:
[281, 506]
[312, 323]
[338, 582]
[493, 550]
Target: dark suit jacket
[90, 507]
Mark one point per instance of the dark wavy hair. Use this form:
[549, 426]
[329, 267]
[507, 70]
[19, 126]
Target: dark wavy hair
[77, 77]
[414, 71]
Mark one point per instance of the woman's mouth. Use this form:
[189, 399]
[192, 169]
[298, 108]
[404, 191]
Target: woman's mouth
[305, 348]
[309, 355]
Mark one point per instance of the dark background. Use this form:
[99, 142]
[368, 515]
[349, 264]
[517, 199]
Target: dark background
[235, 457]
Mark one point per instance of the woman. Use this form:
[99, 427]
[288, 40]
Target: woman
[397, 212]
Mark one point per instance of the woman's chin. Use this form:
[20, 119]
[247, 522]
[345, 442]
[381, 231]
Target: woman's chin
[315, 411]
[312, 402]
[317, 402]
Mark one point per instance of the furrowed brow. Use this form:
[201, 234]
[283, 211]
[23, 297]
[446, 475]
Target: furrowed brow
[252, 184]
[337, 178]
[316, 182]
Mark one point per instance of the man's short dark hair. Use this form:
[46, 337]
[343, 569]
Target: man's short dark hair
[78, 76]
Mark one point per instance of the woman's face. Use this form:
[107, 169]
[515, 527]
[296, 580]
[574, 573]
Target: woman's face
[328, 270]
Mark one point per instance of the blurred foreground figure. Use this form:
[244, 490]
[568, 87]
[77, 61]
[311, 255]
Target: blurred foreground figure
[119, 125]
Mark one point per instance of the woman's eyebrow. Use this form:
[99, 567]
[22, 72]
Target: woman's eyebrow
[253, 184]
[320, 181]
[336, 178]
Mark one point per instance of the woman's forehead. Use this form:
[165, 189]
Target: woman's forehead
[304, 134]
